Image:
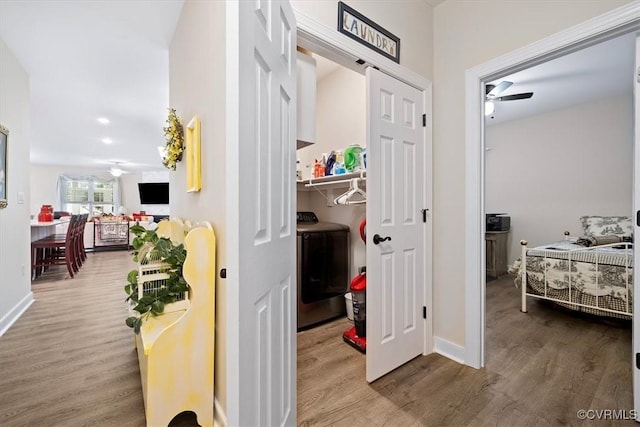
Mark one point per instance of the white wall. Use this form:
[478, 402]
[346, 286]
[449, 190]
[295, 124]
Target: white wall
[549, 170]
[410, 20]
[130, 197]
[197, 87]
[15, 260]
[44, 180]
[340, 116]
[351, 216]
[464, 38]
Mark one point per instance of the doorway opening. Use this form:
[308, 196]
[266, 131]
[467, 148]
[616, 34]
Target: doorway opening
[558, 150]
[410, 107]
[606, 27]
[396, 208]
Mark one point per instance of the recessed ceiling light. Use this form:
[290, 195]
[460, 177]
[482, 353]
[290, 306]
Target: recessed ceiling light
[107, 140]
[104, 120]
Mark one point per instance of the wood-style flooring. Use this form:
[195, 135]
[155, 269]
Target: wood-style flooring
[70, 361]
[541, 368]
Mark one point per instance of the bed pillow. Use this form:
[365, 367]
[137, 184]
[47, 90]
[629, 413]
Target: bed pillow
[607, 225]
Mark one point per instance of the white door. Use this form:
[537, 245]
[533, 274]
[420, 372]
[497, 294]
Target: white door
[636, 232]
[261, 220]
[395, 203]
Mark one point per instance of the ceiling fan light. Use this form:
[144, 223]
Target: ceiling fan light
[116, 172]
[489, 108]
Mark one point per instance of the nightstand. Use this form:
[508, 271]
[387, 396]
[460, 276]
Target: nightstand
[496, 242]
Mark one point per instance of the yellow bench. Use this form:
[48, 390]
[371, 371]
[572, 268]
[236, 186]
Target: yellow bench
[176, 349]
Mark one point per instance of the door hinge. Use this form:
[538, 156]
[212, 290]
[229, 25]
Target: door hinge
[637, 360]
[638, 218]
[424, 311]
[424, 215]
[424, 120]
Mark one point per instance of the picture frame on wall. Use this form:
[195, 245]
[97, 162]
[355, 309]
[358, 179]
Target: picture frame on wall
[193, 152]
[4, 139]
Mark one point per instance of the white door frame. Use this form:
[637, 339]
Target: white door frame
[612, 24]
[318, 38]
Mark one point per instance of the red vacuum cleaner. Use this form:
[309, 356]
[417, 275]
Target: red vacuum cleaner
[357, 335]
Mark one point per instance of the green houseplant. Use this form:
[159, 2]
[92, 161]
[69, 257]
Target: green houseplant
[148, 243]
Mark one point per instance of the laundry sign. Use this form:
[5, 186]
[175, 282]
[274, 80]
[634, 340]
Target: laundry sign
[363, 30]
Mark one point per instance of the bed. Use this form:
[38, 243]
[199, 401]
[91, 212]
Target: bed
[592, 274]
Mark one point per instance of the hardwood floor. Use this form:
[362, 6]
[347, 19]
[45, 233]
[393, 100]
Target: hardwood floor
[541, 368]
[70, 361]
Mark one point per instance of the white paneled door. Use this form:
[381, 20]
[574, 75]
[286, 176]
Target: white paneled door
[395, 226]
[636, 228]
[264, 252]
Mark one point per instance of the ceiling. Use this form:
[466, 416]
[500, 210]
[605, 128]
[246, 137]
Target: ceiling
[91, 59]
[109, 59]
[600, 71]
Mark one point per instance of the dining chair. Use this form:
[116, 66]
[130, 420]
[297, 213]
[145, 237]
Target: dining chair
[56, 250]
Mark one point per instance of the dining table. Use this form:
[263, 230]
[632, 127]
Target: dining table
[44, 229]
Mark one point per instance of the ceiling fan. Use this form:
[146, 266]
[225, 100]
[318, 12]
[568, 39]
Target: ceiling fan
[492, 94]
[116, 171]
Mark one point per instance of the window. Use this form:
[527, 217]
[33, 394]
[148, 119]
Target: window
[88, 195]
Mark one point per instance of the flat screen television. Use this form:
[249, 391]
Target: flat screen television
[154, 193]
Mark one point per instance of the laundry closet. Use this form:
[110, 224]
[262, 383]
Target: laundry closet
[331, 119]
[373, 122]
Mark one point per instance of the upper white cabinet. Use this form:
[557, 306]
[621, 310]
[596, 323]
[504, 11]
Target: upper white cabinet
[306, 87]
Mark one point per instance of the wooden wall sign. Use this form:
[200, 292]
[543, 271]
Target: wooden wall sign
[357, 26]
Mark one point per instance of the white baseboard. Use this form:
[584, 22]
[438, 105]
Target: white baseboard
[448, 349]
[15, 313]
[219, 416]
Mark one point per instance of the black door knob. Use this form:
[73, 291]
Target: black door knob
[377, 239]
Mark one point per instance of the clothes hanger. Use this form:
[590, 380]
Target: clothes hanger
[347, 198]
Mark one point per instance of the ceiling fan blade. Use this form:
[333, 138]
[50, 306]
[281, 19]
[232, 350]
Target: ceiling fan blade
[514, 97]
[497, 90]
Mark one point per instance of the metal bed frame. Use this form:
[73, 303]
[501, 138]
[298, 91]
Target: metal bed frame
[571, 254]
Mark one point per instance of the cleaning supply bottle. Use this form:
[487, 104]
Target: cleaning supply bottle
[352, 160]
[331, 160]
[338, 168]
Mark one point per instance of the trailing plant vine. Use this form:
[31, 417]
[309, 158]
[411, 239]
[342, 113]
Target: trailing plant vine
[160, 248]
